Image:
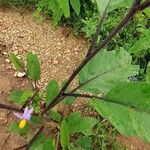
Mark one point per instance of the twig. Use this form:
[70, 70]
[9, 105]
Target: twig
[24, 146]
[98, 29]
[103, 99]
[57, 140]
[3, 106]
[88, 81]
[34, 137]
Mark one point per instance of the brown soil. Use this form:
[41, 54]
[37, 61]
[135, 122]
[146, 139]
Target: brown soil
[59, 52]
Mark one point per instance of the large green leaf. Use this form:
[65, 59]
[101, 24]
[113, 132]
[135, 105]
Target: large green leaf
[133, 94]
[64, 5]
[17, 63]
[33, 66]
[101, 4]
[51, 91]
[113, 67]
[142, 44]
[76, 6]
[132, 116]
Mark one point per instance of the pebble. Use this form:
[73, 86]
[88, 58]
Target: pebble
[7, 60]
[15, 52]
[20, 74]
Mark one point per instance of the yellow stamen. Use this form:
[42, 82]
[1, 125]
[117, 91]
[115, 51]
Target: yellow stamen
[22, 123]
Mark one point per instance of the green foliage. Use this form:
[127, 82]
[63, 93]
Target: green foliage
[17, 63]
[131, 117]
[113, 71]
[14, 127]
[142, 45]
[51, 91]
[43, 143]
[19, 96]
[55, 116]
[33, 66]
[77, 123]
[35, 120]
[76, 6]
[64, 134]
[58, 8]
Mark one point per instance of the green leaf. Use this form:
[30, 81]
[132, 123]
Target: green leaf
[132, 116]
[17, 63]
[112, 67]
[101, 4]
[51, 91]
[147, 11]
[14, 127]
[33, 66]
[148, 73]
[49, 144]
[77, 123]
[64, 134]
[19, 96]
[64, 5]
[85, 142]
[38, 143]
[69, 100]
[76, 6]
[55, 116]
[141, 45]
[35, 120]
[133, 94]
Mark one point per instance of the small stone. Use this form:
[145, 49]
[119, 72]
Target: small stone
[15, 52]
[55, 62]
[21, 74]
[7, 60]
[5, 53]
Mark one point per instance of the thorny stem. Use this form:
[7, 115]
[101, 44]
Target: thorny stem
[134, 9]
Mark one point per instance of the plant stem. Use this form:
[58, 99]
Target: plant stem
[98, 29]
[103, 99]
[3, 106]
[133, 10]
[34, 137]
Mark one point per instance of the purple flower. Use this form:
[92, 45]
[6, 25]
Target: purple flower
[24, 117]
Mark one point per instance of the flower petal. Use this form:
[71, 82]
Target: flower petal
[25, 111]
[18, 115]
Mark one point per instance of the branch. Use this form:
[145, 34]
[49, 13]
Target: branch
[104, 99]
[3, 106]
[34, 137]
[134, 9]
[98, 29]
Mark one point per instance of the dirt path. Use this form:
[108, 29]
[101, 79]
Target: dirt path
[58, 53]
